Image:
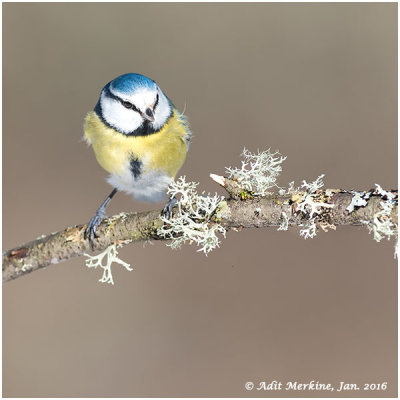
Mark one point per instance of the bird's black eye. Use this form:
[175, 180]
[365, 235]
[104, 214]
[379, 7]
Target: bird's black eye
[155, 104]
[126, 104]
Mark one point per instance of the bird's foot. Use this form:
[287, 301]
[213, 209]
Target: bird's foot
[167, 210]
[91, 230]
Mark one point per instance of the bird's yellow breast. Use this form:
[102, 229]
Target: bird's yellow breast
[163, 151]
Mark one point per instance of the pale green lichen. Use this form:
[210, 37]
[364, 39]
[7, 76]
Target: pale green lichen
[111, 256]
[313, 186]
[285, 222]
[310, 207]
[259, 171]
[307, 201]
[289, 190]
[382, 224]
[193, 219]
[359, 199]
[310, 229]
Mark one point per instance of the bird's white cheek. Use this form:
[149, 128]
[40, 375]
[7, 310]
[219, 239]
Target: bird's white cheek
[162, 113]
[119, 117]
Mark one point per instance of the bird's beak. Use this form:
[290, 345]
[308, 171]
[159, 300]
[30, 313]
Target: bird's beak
[149, 115]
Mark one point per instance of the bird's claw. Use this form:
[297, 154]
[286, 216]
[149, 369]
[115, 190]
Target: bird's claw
[167, 210]
[91, 229]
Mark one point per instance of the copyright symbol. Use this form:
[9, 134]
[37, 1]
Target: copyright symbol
[249, 385]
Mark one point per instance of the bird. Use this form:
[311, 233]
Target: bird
[139, 138]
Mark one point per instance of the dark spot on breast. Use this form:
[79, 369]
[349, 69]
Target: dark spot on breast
[135, 167]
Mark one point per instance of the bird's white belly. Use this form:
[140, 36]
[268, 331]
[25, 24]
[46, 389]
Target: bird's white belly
[150, 186]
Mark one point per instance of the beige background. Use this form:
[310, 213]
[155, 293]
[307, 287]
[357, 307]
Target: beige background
[316, 81]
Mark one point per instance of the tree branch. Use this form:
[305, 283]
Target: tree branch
[243, 209]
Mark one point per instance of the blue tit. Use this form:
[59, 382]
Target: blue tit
[139, 138]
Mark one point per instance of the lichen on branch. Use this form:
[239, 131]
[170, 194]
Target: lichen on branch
[110, 255]
[382, 224]
[254, 200]
[192, 221]
[259, 171]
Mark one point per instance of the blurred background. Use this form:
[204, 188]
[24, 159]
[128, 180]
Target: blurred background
[317, 82]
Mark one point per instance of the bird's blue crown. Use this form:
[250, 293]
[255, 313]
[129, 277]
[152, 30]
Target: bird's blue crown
[129, 83]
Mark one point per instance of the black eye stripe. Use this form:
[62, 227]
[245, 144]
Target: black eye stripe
[129, 105]
[126, 104]
[156, 103]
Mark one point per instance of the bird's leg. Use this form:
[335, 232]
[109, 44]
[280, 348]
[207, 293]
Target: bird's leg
[90, 232]
[167, 210]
